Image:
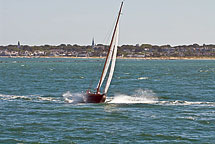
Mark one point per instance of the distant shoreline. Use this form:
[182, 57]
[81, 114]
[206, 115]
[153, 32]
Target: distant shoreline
[145, 58]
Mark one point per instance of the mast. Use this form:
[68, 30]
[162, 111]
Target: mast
[117, 22]
[114, 55]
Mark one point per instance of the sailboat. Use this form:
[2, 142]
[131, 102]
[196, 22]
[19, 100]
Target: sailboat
[98, 96]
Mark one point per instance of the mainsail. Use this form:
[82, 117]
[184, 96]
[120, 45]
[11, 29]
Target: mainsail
[106, 66]
[112, 53]
[98, 96]
[113, 62]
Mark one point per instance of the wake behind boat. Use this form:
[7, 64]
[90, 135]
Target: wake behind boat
[98, 96]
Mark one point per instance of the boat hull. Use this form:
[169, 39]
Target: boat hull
[95, 98]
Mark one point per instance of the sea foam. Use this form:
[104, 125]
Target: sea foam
[74, 97]
[36, 98]
[139, 96]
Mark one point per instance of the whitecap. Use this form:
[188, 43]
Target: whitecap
[74, 97]
[28, 98]
[140, 96]
[143, 78]
[180, 102]
[48, 99]
[11, 97]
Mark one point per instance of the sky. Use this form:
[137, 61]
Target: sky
[157, 22]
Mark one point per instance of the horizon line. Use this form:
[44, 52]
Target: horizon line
[108, 44]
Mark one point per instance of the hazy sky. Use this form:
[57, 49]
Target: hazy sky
[39, 22]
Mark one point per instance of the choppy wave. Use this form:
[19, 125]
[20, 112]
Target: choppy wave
[28, 98]
[140, 96]
[149, 97]
[179, 102]
[143, 78]
[73, 97]
[67, 97]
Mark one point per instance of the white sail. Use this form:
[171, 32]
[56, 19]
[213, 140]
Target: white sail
[113, 61]
[106, 66]
[110, 55]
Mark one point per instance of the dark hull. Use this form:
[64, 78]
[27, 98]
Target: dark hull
[95, 98]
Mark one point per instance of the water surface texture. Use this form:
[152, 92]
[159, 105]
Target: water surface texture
[149, 101]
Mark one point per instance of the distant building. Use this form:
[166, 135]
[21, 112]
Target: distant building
[18, 45]
[5, 53]
[14, 53]
[83, 54]
[93, 43]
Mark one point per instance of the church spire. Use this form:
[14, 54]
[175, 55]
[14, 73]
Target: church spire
[93, 43]
[18, 44]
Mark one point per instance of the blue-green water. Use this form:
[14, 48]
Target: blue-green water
[149, 101]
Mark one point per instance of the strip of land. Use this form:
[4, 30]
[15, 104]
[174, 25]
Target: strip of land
[144, 51]
[145, 58]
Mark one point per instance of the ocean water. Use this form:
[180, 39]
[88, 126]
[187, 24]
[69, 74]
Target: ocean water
[149, 101]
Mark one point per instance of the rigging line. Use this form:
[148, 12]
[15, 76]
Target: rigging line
[117, 22]
[98, 65]
[110, 31]
[108, 35]
[95, 66]
[90, 84]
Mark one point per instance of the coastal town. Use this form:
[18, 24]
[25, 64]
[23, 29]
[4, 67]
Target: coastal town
[100, 50]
